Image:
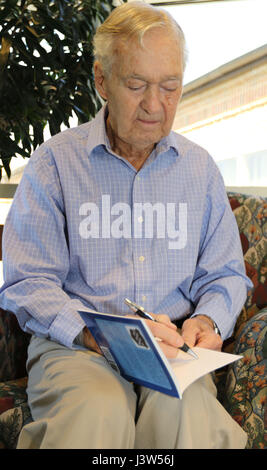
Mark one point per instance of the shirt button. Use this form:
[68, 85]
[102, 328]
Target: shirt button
[141, 258]
[140, 219]
[143, 297]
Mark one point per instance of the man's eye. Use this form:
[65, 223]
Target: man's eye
[170, 86]
[136, 88]
[169, 89]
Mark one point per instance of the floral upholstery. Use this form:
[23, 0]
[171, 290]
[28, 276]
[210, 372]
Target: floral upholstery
[14, 410]
[242, 386]
[251, 216]
[246, 386]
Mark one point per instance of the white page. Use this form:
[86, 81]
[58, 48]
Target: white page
[188, 369]
[184, 370]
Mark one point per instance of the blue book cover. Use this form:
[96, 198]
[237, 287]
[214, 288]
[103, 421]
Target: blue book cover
[131, 350]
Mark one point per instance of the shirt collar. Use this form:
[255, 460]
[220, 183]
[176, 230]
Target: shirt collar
[98, 135]
[167, 143]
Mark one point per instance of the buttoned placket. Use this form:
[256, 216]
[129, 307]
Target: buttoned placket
[140, 259]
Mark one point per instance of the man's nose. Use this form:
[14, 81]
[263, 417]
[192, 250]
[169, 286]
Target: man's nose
[151, 102]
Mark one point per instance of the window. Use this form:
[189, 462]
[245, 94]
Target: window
[224, 105]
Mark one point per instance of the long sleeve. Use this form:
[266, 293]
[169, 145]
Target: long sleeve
[36, 255]
[67, 245]
[220, 284]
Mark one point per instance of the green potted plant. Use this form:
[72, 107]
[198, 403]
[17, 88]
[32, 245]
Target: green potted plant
[45, 69]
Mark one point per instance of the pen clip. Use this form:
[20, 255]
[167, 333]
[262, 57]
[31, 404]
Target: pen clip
[133, 306]
[139, 310]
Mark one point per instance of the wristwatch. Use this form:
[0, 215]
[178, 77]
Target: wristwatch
[215, 327]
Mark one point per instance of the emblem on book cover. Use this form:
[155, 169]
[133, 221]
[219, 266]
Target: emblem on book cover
[138, 338]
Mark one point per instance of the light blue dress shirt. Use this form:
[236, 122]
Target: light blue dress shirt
[79, 233]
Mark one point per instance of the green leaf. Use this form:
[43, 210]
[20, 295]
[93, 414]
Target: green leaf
[47, 75]
[8, 7]
[6, 165]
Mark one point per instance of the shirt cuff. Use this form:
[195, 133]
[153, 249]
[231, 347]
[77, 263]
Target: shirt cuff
[67, 324]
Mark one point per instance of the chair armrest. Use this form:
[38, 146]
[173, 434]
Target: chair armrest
[246, 385]
[14, 411]
[13, 347]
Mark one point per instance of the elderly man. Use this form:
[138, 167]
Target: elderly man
[60, 257]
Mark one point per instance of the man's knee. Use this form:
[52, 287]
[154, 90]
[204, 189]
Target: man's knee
[115, 399]
[92, 414]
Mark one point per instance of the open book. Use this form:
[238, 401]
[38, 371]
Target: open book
[130, 348]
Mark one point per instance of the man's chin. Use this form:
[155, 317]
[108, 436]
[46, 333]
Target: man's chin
[146, 139]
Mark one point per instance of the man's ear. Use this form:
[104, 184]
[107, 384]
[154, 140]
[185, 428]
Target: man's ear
[99, 80]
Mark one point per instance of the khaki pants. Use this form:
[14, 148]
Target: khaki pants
[78, 402]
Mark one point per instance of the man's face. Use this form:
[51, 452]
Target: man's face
[143, 89]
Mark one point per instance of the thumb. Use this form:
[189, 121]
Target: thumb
[189, 334]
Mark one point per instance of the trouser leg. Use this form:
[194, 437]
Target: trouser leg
[77, 401]
[198, 421]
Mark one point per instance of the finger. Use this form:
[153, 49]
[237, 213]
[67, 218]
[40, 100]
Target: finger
[169, 351]
[190, 332]
[90, 342]
[210, 341]
[162, 318]
[166, 334]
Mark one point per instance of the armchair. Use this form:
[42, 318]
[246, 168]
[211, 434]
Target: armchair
[242, 386]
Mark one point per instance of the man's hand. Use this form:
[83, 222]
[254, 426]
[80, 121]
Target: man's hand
[89, 341]
[166, 332]
[198, 331]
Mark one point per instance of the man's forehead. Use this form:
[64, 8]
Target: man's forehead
[155, 61]
[134, 45]
[149, 70]
[142, 77]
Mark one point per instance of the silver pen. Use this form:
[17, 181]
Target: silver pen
[138, 310]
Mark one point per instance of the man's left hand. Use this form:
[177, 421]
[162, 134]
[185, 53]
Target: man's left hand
[198, 331]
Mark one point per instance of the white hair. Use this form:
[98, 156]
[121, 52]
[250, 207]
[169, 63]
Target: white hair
[131, 21]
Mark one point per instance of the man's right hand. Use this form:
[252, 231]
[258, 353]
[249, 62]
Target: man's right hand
[169, 339]
[89, 341]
